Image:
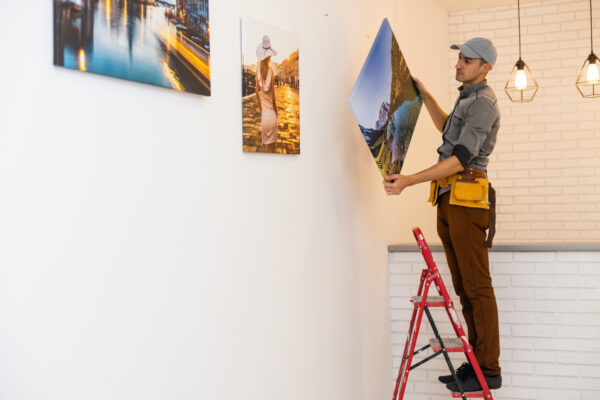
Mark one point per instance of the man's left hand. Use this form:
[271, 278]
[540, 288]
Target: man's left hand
[395, 184]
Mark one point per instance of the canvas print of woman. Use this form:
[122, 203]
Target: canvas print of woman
[270, 89]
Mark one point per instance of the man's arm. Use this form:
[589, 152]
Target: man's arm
[395, 184]
[435, 111]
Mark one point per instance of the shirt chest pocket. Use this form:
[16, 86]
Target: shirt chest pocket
[457, 123]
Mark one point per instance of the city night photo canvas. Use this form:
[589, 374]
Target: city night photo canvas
[159, 42]
[386, 103]
[270, 89]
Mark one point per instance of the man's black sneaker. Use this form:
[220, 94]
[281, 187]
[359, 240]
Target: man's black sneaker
[461, 371]
[471, 384]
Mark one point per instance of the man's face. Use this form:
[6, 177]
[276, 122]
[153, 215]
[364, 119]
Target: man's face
[470, 70]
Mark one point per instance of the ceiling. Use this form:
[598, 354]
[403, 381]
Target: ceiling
[456, 5]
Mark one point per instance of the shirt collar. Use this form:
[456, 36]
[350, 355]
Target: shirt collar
[465, 92]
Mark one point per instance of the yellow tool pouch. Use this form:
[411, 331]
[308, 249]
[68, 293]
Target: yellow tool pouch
[470, 193]
[466, 191]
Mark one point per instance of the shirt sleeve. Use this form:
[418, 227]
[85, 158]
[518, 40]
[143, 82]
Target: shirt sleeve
[479, 120]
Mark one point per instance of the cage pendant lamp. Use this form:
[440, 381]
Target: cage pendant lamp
[588, 80]
[521, 86]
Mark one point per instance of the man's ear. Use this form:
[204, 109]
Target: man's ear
[486, 68]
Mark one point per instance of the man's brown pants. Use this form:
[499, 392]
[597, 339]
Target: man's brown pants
[462, 231]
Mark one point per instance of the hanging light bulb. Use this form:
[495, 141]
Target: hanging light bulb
[593, 75]
[521, 79]
[588, 80]
[521, 86]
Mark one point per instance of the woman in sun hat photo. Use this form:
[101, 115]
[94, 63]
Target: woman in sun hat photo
[265, 93]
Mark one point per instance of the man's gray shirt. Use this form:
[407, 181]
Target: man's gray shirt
[472, 127]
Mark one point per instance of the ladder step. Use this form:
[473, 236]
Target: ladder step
[432, 301]
[451, 344]
[457, 395]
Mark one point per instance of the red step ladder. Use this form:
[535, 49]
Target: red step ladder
[438, 345]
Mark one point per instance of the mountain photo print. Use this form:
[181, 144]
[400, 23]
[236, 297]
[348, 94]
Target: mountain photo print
[386, 103]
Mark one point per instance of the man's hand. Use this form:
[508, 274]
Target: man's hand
[422, 91]
[395, 184]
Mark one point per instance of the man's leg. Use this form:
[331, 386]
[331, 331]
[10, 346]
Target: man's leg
[444, 234]
[467, 233]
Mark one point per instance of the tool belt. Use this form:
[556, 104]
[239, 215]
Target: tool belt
[469, 188]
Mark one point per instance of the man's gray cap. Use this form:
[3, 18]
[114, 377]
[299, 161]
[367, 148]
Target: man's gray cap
[478, 48]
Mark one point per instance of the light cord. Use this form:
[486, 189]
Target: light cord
[519, 11]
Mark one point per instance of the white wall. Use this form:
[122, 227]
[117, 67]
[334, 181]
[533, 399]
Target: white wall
[546, 165]
[549, 324]
[143, 255]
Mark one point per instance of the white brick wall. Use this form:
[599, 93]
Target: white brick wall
[546, 165]
[549, 310]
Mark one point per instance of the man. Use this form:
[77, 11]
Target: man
[460, 190]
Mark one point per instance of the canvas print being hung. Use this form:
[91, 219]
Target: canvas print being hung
[270, 89]
[386, 103]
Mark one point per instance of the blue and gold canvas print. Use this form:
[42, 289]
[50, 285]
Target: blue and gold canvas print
[159, 42]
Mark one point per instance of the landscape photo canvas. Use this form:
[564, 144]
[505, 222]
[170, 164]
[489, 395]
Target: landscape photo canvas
[159, 42]
[270, 89]
[386, 103]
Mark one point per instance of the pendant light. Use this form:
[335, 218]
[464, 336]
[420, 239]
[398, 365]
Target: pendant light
[588, 80]
[521, 86]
